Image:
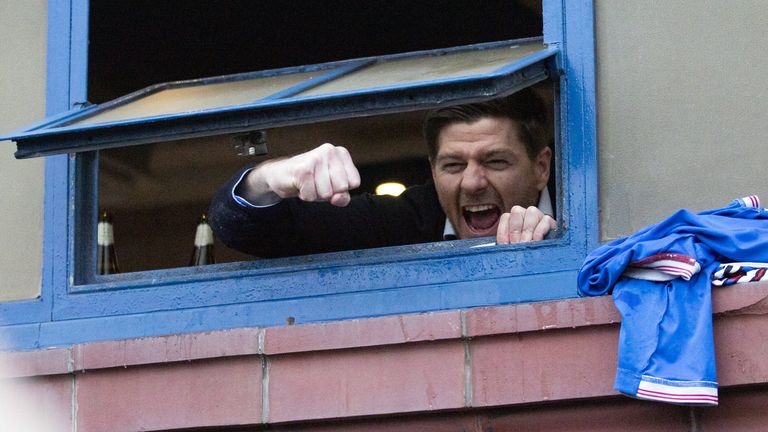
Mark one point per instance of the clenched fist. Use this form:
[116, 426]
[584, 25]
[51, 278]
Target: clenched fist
[523, 225]
[325, 173]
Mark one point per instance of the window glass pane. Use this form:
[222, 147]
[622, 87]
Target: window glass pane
[156, 193]
[420, 69]
[200, 97]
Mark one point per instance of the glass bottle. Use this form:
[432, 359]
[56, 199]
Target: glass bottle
[203, 253]
[106, 258]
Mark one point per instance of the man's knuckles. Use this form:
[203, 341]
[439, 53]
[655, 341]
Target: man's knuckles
[319, 174]
[522, 224]
[324, 194]
[517, 210]
[533, 211]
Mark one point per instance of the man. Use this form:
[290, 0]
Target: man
[490, 165]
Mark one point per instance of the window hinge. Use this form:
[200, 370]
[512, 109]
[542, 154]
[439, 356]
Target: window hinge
[81, 104]
[251, 144]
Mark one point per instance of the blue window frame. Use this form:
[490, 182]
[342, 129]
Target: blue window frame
[244, 102]
[76, 306]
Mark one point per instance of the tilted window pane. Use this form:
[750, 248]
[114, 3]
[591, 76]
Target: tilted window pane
[259, 100]
[411, 70]
[200, 97]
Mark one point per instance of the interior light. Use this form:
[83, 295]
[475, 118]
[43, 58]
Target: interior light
[390, 188]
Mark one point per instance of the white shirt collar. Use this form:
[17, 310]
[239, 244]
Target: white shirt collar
[545, 205]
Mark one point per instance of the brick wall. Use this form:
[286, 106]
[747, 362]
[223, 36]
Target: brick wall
[538, 366]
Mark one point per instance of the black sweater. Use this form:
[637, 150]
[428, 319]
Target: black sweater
[294, 227]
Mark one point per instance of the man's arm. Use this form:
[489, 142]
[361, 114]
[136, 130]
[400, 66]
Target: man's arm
[325, 173]
[281, 207]
[267, 227]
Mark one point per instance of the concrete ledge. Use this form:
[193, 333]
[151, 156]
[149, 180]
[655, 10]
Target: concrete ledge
[165, 349]
[363, 332]
[52, 361]
[745, 299]
[501, 356]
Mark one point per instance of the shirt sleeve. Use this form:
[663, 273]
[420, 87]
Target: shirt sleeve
[242, 201]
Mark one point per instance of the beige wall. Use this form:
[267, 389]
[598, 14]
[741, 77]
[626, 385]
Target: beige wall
[682, 103]
[22, 100]
[681, 116]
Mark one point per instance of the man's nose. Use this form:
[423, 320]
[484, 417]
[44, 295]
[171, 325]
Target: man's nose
[474, 178]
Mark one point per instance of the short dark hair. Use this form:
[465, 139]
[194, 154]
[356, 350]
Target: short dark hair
[524, 107]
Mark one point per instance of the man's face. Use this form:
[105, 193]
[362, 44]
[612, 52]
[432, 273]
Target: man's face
[482, 170]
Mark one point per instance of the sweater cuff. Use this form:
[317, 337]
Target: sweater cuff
[242, 202]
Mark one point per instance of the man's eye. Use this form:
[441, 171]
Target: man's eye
[497, 164]
[452, 167]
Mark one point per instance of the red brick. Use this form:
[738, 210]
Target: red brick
[363, 332]
[741, 353]
[443, 422]
[242, 341]
[99, 355]
[541, 316]
[395, 379]
[532, 367]
[615, 414]
[178, 395]
[164, 349]
[491, 320]
[752, 297]
[605, 414]
[32, 363]
[744, 409]
[590, 311]
[39, 404]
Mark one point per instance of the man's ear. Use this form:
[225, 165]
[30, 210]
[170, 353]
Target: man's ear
[541, 166]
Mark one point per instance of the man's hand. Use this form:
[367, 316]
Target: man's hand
[523, 224]
[325, 173]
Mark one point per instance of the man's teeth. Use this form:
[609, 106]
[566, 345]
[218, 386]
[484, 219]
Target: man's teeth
[479, 208]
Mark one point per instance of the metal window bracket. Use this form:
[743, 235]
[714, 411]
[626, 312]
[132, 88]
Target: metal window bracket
[251, 144]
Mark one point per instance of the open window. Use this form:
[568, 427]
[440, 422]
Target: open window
[156, 193]
[196, 132]
[152, 153]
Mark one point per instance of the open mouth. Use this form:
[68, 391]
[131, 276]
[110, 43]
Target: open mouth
[480, 218]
